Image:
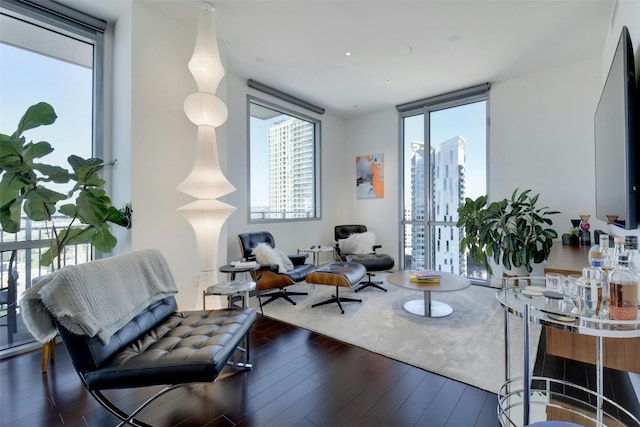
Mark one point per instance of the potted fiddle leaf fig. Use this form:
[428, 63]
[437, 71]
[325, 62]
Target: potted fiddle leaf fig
[24, 177]
[514, 232]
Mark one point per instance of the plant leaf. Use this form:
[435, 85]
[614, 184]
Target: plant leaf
[53, 173]
[40, 203]
[103, 240]
[35, 151]
[36, 115]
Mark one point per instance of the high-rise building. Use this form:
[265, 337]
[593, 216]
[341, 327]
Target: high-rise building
[291, 168]
[417, 241]
[447, 192]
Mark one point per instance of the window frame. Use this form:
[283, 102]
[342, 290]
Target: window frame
[425, 107]
[83, 28]
[317, 141]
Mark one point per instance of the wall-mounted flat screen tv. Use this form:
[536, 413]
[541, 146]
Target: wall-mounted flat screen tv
[616, 144]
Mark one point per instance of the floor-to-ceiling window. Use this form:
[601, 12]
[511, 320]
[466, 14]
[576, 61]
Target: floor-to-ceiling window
[444, 151]
[51, 54]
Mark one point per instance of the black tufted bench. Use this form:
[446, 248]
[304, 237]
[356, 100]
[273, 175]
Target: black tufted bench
[338, 274]
[161, 346]
[150, 344]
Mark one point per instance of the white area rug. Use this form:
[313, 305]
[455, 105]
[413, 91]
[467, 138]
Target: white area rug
[467, 345]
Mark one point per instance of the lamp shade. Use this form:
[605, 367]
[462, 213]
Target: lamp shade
[207, 218]
[205, 64]
[206, 180]
[205, 109]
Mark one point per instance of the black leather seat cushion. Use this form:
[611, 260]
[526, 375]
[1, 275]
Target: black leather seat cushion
[299, 272]
[185, 347]
[373, 262]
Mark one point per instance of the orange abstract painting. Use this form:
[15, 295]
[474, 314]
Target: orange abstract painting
[370, 176]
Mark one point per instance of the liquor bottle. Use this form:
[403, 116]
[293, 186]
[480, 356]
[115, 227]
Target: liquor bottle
[631, 245]
[623, 288]
[603, 243]
[593, 302]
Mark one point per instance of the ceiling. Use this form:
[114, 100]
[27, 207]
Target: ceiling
[401, 50]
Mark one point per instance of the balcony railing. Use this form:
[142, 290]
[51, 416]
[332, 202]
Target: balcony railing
[27, 247]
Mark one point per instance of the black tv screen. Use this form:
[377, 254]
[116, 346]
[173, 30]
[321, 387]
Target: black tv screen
[616, 151]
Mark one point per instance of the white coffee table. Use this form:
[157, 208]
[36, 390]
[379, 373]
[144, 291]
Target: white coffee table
[427, 307]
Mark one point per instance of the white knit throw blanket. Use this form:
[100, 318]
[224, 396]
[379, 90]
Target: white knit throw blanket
[99, 297]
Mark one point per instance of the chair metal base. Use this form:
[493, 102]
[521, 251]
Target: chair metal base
[279, 294]
[130, 419]
[369, 282]
[337, 299]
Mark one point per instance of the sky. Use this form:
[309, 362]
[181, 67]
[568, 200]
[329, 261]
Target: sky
[467, 121]
[27, 78]
[259, 159]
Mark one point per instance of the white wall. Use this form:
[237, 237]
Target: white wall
[626, 12]
[371, 134]
[541, 137]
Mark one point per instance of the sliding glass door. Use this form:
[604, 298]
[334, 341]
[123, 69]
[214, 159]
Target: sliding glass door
[444, 144]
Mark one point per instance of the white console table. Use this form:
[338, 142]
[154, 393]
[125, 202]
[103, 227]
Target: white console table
[556, 399]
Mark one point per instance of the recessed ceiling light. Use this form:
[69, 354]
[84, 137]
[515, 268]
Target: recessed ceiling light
[347, 53]
[387, 81]
[455, 38]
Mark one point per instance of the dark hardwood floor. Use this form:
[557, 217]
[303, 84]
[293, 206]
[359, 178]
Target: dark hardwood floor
[299, 379]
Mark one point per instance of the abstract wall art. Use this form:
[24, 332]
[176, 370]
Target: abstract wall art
[370, 176]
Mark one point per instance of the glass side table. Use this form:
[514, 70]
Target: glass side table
[250, 268]
[230, 289]
[526, 399]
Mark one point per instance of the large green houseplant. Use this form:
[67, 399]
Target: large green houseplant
[23, 180]
[514, 232]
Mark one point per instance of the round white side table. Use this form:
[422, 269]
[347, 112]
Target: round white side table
[230, 289]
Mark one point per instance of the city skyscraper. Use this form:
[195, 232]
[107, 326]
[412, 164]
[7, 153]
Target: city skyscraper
[447, 184]
[447, 171]
[291, 168]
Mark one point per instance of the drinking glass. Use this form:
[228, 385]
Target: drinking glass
[590, 291]
[570, 288]
[589, 298]
[554, 282]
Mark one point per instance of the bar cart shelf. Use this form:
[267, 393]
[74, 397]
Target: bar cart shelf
[526, 399]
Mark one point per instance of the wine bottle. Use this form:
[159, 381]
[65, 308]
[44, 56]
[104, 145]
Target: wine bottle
[623, 288]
